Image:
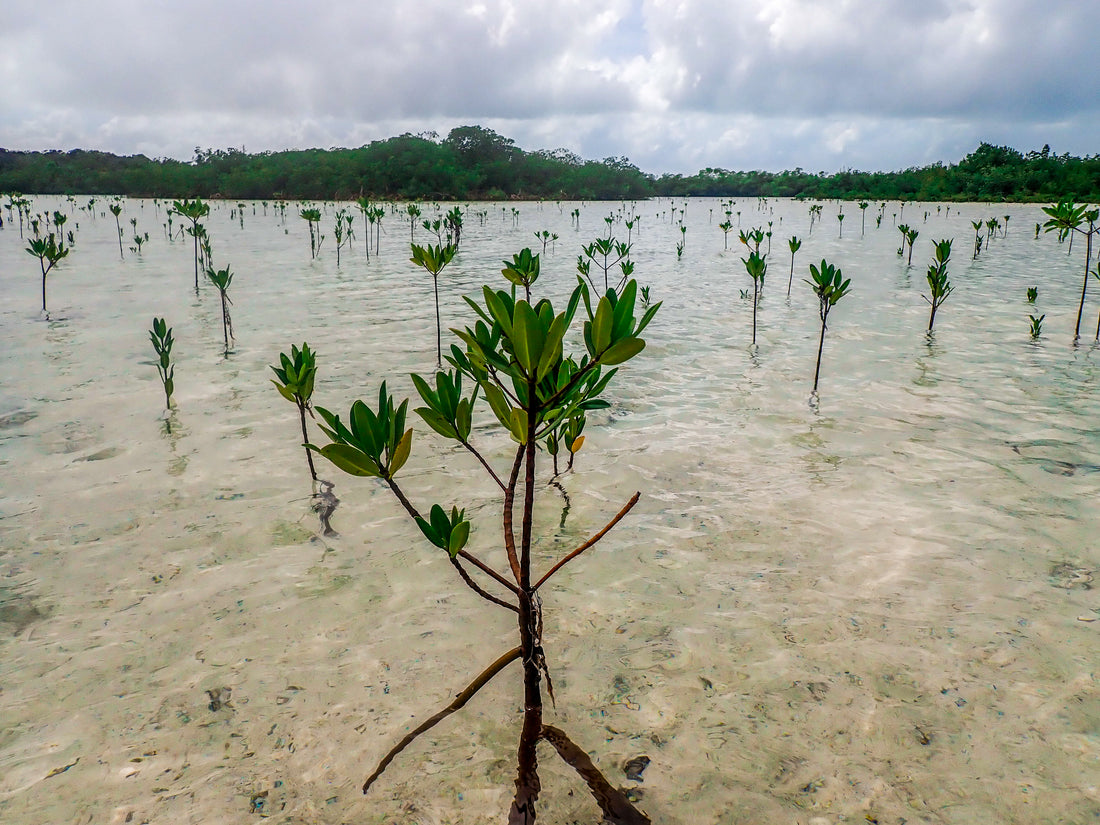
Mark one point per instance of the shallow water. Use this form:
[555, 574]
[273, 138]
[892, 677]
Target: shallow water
[874, 604]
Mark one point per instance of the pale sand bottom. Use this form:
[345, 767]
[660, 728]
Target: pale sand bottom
[771, 675]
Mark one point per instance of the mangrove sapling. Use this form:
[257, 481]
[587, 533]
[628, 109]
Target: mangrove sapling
[1036, 326]
[453, 222]
[938, 284]
[606, 253]
[434, 259]
[194, 211]
[222, 278]
[161, 336]
[1032, 294]
[910, 237]
[413, 211]
[1066, 218]
[515, 358]
[340, 232]
[757, 268]
[795, 244]
[840, 219]
[296, 373]
[863, 222]
[829, 288]
[116, 209]
[49, 252]
[311, 216]
[726, 226]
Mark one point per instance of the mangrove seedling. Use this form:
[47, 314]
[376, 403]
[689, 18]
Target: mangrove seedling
[938, 284]
[794, 244]
[313, 218]
[1032, 294]
[515, 356]
[453, 222]
[161, 336]
[726, 226]
[222, 278]
[829, 287]
[434, 259]
[413, 211]
[840, 219]
[757, 267]
[1066, 218]
[341, 231]
[296, 373]
[863, 222]
[116, 210]
[49, 252]
[1036, 325]
[194, 211]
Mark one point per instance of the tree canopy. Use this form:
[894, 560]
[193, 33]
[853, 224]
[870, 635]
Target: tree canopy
[473, 162]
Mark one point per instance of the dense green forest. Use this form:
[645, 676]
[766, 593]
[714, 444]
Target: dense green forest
[477, 163]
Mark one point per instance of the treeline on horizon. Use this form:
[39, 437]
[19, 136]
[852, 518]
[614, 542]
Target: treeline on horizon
[474, 163]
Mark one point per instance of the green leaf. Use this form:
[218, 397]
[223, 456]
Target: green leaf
[349, 459]
[436, 421]
[601, 326]
[459, 536]
[622, 351]
[284, 392]
[427, 530]
[401, 454]
[440, 522]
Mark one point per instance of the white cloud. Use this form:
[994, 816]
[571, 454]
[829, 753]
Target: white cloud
[674, 84]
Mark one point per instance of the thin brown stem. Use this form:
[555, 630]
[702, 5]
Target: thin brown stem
[509, 503]
[474, 586]
[626, 509]
[460, 700]
[305, 438]
[476, 562]
[487, 570]
[484, 463]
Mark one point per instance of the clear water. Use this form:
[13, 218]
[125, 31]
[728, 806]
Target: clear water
[876, 605]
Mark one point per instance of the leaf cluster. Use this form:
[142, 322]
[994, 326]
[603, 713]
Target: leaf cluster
[161, 336]
[829, 285]
[296, 373]
[375, 443]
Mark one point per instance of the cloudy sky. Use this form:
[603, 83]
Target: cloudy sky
[675, 85]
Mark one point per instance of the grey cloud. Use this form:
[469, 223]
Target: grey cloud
[673, 84]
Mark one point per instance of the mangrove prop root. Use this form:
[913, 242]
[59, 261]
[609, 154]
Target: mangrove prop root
[460, 700]
[613, 802]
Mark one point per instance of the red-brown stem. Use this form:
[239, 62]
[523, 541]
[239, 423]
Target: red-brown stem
[484, 463]
[626, 509]
[305, 438]
[509, 503]
[465, 696]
